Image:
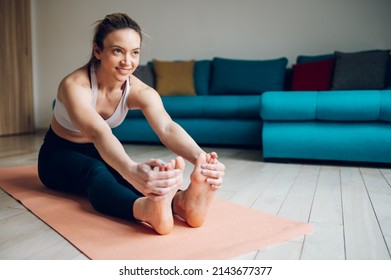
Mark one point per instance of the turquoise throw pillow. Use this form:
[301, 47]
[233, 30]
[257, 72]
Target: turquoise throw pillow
[247, 77]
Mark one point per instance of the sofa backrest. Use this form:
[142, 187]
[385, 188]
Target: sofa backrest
[222, 76]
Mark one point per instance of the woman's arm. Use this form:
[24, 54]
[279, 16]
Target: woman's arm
[150, 182]
[174, 137]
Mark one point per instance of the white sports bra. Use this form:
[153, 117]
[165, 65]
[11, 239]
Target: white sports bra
[114, 120]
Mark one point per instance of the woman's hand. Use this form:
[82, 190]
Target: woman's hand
[214, 170]
[154, 180]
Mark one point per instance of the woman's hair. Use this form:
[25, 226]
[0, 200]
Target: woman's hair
[109, 24]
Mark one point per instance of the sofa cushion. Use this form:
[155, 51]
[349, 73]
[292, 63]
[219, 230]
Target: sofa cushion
[232, 77]
[340, 106]
[288, 105]
[360, 70]
[313, 75]
[202, 71]
[174, 77]
[229, 107]
[348, 105]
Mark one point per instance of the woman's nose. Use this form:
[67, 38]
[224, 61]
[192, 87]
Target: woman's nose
[127, 59]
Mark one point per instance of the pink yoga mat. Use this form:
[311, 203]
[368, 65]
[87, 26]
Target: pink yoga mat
[231, 230]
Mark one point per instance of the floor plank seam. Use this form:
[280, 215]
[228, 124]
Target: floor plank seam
[374, 212]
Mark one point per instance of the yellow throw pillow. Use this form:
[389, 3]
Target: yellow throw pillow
[174, 78]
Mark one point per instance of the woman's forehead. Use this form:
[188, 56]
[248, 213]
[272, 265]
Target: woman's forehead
[125, 38]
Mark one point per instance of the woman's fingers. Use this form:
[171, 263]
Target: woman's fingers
[214, 170]
[158, 183]
[156, 163]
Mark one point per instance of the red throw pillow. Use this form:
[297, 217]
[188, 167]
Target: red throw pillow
[313, 75]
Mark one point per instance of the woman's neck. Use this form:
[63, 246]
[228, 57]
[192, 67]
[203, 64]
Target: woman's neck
[105, 82]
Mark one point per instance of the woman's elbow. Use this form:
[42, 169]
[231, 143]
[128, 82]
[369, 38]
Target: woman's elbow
[96, 132]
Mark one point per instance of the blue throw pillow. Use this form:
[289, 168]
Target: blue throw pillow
[231, 76]
[313, 58]
[202, 70]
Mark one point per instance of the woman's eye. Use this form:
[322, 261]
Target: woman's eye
[117, 51]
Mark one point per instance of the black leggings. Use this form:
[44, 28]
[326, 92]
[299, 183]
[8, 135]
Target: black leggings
[78, 168]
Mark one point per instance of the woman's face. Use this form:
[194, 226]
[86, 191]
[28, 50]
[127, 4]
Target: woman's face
[121, 53]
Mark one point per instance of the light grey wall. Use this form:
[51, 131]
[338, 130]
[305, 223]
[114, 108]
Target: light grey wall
[197, 29]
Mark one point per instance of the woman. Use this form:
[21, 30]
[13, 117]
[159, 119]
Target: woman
[80, 153]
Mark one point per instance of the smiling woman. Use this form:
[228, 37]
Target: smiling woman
[122, 49]
[109, 24]
[80, 153]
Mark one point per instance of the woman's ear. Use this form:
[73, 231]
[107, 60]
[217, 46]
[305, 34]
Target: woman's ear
[96, 51]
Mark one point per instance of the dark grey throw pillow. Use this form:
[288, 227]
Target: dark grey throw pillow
[360, 70]
[145, 74]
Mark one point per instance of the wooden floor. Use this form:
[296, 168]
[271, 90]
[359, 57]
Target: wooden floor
[349, 206]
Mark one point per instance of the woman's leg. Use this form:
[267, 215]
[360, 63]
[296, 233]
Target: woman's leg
[75, 172]
[107, 195]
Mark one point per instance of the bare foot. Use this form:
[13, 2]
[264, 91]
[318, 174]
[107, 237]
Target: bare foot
[158, 214]
[193, 204]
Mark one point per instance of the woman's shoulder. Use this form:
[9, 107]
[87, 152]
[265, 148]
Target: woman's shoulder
[75, 82]
[140, 93]
[139, 87]
[78, 78]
